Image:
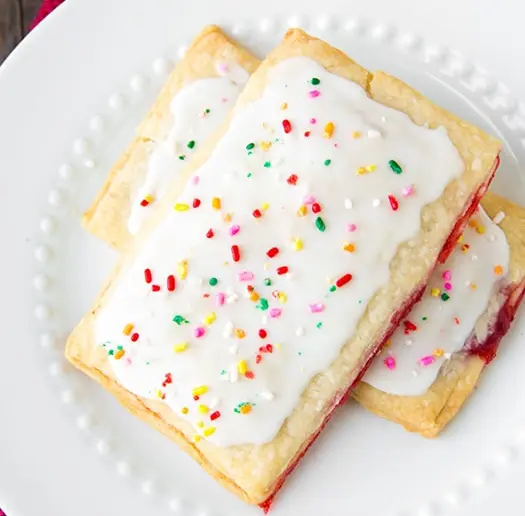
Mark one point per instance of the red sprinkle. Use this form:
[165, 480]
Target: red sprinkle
[249, 375]
[292, 180]
[148, 276]
[269, 348]
[210, 233]
[282, 270]
[307, 134]
[215, 415]
[196, 398]
[263, 333]
[144, 203]
[316, 207]
[343, 280]
[409, 327]
[257, 213]
[236, 253]
[274, 251]
[258, 359]
[393, 202]
[155, 288]
[196, 203]
[287, 126]
[134, 337]
[171, 283]
[168, 379]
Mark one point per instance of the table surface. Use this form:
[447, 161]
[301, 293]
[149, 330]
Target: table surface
[15, 18]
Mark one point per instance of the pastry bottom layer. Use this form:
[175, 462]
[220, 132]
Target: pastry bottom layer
[401, 313]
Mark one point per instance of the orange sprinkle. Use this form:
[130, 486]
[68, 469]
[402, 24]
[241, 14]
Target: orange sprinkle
[246, 409]
[473, 286]
[465, 248]
[328, 130]
[216, 203]
[185, 410]
[498, 270]
[227, 217]
[284, 105]
[127, 329]
[254, 296]
[240, 334]
[347, 246]
[119, 354]
[387, 343]
[438, 352]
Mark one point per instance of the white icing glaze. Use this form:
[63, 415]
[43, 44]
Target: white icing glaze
[198, 110]
[409, 366]
[308, 326]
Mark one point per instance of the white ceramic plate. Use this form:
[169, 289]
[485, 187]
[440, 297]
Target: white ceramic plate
[70, 97]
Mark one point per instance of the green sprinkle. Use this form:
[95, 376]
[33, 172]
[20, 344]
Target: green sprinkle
[327, 162]
[182, 157]
[267, 281]
[394, 165]
[191, 144]
[223, 372]
[180, 320]
[445, 296]
[424, 318]
[213, 281]
[267, 164]
[250, 146]
[319, 223]
[249, 174]
[315, 81]
[111, 352]
[120, 348]
[300, 353]
[360, 302]
[332, 288]
[319, 325]
[263, 304]
[207, 111]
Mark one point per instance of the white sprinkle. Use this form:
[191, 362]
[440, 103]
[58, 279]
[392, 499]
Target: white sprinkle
[228, 330]
[290, 276]
[234, 349]
[474, 257]
[447, 355]
[498, 219]
[373, 133]
[415, 373]
[234, 374]
[264, 320]
[89, 163]
[232, 298]
[213, 403]
[384, 119]
[267, 395]
[492, 238]
[348, 204]
[376, 202]
[409, 342]
[300, 331]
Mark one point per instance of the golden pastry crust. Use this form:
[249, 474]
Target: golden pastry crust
[108, 215]
[255, 472]
[429, 413]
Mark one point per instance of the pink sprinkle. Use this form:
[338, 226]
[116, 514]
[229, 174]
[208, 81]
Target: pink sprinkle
[224, 100]
[220, 298]
[222, 68]
[407, 191]
[195, 180]
[314, 93]
[336, 145]
[313, 120]
[245, 276]
[351, 228]
[426, 361]
[447, 275]
[275, 312]
[309, 199]
[448, 286]
[199, 332]
[316, 308]
[127, 361]
[234, 229]
[390, 363]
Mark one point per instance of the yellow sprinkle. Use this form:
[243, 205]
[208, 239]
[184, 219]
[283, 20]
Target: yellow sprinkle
[185, 410]
[149, 198]
[181, 207]
[370, 168]
[254, 296]
[473, 286]
[356, 134]
[210, 318]
[265, 146]
[282, 297]
[265, 206]
[196, 438]
[387, 343]
[435, 292]
[347, 246]
[182, 269]
[209, 431]
[179, 348]
[480, 229]
[284, 105]
[498, 270]
[246, 409]
[200, 424]
[127, 329]
[465, 248]
[202, 389]
[277, 346]
[242, 367]
[297, 244]
[227, 217]
[328, 130]
[216, 203]
[460, 238]
[119, 354]
[203, 409]
[158, 393]
[301, 212]
[438, 352]
[240, 334]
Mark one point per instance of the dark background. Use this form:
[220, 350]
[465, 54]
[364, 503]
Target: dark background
[15, 18]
